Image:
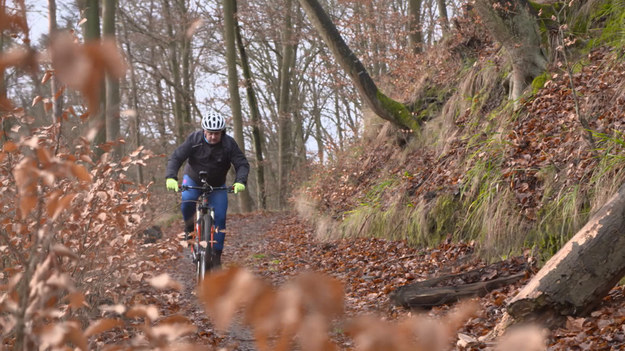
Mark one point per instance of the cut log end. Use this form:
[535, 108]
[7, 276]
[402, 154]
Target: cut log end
[540, 309]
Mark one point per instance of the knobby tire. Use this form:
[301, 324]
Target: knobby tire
[209, 235]
[199, 263]
[205, 261]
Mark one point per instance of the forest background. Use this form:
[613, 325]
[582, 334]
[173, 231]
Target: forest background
[90, 111]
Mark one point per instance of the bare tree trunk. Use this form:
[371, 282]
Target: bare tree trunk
[414, 26]
[316, 113]
[442, 12]
[175, 72]
[515, 27]
[56, 92]
[339, 124]
[229, 7]
[4, 102]
[160, 116]
[285, 147]
[378, 69]
[185, 57]
[257, 140]
[57, 104]
[91, 29]
[319, 136]
[297, 122]
[112, 84]
[299, 140]
[379, 103]
[581, 273]
[134, 98]
[429, 10]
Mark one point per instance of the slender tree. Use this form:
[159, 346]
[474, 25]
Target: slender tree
[134, 100]
[148, 39]
[339, 125]
[257, 138]
[229, 7]
[55, 89]
[318, 133]
[185, 55]
[91, 30]
[112, 83]
[4, 103]
[285, 146]
[296, 99]
[442, 13]
[372, 28]
[176, 79]
[414, 26]
[160, 115]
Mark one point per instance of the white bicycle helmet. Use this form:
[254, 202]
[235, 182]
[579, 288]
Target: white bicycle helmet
[213, 122]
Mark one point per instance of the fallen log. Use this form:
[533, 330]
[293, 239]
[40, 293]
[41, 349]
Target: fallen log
[452, 288]
[425, 297]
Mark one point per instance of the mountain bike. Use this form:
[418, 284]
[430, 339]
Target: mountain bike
[202, 250]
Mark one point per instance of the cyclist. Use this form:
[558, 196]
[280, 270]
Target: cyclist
[213, 151]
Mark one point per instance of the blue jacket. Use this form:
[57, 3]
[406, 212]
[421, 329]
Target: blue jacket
[215, 159]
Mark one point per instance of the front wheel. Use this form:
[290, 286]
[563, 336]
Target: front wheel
[200, 267]
[205, 257]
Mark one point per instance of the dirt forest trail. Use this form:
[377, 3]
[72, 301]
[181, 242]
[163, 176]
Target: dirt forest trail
[276, 247]
[244, 241]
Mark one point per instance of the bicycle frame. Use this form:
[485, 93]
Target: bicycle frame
[202, 250]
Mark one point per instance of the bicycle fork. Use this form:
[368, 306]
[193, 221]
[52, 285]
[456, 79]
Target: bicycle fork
[195, 248]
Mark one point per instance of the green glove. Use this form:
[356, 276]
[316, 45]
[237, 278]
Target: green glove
[238, 187]
[172, 184]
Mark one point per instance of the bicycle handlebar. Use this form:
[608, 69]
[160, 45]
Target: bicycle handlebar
[207, 188]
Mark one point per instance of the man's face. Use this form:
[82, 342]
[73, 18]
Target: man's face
[212, 137]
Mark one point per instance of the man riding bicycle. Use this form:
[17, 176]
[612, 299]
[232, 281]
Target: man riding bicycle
[213, 151]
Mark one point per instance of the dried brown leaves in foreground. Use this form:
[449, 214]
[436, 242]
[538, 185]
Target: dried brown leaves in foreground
[64, 221]
[413, 333]
[84, 66]
[308, 307]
